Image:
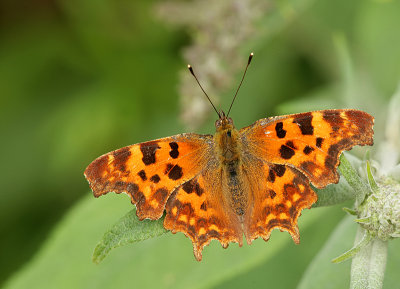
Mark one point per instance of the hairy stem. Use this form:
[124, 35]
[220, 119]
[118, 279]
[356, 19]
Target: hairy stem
[368, 266]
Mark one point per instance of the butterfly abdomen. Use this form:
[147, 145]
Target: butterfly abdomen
[236, 193]
[229, 151]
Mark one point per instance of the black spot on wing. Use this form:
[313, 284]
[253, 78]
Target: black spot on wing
[197, 189]
[280, 132]
[188, 187]
[142, 175]
[291, 144]
[174, 153]
[155, 178]
[175, 173]
[286, 152]
[279, 170]
[307, 150]
[168, 168]
[304, 123]
[319, 142]
[271, 176]
[203, 206]
[149, 152]
[272, 194]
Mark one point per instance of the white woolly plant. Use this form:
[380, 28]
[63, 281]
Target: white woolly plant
[377, 207]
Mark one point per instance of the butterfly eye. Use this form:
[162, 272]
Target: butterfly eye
[229, 133]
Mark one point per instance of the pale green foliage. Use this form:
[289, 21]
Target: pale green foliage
[129, 229]
[161, 262]
[368, 265]
[97, 75]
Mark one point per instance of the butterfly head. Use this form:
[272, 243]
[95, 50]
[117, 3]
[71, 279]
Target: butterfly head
[224, 122]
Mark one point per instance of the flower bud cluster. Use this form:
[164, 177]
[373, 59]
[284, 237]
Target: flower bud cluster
[381, 210]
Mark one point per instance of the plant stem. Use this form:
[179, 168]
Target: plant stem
[368, 266]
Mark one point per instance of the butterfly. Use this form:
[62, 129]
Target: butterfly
[235, 182]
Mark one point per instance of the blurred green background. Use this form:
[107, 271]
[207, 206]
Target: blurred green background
[81, 78]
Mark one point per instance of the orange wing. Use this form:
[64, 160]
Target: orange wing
[310, 142]
[279, 194]
[199, 209]
[149, 172]
[283, 154]
[179, 174]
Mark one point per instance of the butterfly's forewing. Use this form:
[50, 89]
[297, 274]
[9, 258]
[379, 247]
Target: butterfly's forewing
[310, 142]
[149, 172]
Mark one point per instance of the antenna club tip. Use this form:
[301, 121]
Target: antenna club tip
[191, 69]
[250, 58]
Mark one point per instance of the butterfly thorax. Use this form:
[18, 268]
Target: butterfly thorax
[226, 140]
[228, 149]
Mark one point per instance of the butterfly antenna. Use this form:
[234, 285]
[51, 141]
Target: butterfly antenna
[240, 84]
[194, 75]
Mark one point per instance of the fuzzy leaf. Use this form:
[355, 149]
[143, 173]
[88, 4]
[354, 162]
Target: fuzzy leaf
[64, 261]
[321, 271]
[334, 194]
[353, 251]
[371, 179]
[359, 186]
[129, 229]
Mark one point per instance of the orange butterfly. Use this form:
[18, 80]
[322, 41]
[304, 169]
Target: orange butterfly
[235, 182]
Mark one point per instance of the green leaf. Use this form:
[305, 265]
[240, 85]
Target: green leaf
[360, 188]
[129, 229]
[321, 271]
[166, 261]
[334, 194]
[363, 220]
[353, 251]
[350, 211]
[374, 187]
